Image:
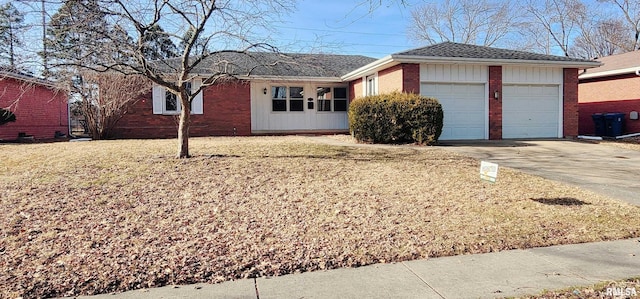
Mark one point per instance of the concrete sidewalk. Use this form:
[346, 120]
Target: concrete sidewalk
[501, 274]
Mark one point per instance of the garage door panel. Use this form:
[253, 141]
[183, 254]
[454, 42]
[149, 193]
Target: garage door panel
[530, 111]
[463, 106]
[534, 118]
[468, 132]
[464, 119]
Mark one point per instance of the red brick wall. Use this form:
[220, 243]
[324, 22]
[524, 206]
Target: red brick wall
[587, 109]
[609, 94]
[495, 106]
[411, 78]
[40, 111]
[225, 107]
[570, 103]
[355, 89]
[390, 79]
[610, 88]
[403, 77]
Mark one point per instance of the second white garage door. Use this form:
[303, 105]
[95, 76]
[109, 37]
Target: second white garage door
[464, 109]
[530, 111]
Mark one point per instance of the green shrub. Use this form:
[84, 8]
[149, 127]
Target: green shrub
[6, 116]
[396, 118]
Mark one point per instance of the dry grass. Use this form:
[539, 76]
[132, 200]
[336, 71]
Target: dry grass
[97, 217]
[632, 143]
[628, 288]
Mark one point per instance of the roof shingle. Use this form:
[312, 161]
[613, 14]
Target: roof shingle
[275, 64]
[618, 62]
[457, 50]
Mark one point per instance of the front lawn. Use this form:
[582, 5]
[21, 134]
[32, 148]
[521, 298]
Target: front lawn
[627, 288]
[632, 143]
[108, 216]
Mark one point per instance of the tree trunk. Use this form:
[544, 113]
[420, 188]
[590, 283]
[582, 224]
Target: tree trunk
[183, 129]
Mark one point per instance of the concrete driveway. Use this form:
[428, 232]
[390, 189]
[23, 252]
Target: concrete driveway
[605, 169]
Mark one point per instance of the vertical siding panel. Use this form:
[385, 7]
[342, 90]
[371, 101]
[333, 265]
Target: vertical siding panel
[453, 73]
[532, 75]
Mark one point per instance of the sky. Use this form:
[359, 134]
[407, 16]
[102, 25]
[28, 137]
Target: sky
[325, 26]
[343, 27]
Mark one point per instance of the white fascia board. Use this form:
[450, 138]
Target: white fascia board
[380, 64]
[292, 78]
[630, 70]
[460, 60]
[29, 79]
[282, 78]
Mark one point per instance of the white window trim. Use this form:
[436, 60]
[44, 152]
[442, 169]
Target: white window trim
[159, 100]
[333, 98]
[288, 98]
[365, 90]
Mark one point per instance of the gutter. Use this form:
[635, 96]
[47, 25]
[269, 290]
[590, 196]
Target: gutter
[630, 70]
[392, 60]
[292, 78]
[628, 135]
[486, 61]
[589, 137]
[381, 63]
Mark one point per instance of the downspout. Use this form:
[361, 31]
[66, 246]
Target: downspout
[68, 119]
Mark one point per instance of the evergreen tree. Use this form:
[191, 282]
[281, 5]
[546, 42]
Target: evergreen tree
[200, 45]
[89, 43]
[157, 45]
[11, 24]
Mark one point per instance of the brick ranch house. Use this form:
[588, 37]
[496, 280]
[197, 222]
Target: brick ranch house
[486, 93]
[612, 87]
[40, 110]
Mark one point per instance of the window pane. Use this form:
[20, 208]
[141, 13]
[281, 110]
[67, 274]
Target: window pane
[296, 105]
[340, 92]
[324, 93]
[324, 105]
[170, 102]
[278, 92]
[296, 92]
[371, 85]
[339, 105]
[279, 105]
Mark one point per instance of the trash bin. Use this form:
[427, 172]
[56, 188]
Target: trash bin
[614, 123]
[598, 122]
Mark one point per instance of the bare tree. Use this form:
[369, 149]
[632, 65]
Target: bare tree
[480, 22]
[601, 39]
[630, 10]
[216, 27]
[104, 98]
[552, 24]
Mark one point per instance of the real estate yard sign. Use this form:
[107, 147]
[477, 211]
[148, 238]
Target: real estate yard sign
[488, 171]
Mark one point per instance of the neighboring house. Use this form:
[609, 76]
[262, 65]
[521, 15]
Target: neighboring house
[486, 93]
[614, 87]
[41, 111]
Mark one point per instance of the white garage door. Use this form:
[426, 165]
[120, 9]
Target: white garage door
[464, 109]
[530, 111]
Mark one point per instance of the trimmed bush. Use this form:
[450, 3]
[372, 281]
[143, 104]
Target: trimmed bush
[396, 118]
